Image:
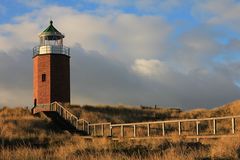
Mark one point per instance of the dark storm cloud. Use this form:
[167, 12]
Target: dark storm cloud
[98, 79]
[108, 81]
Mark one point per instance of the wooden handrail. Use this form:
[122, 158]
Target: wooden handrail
[83, 120]
[98, 124]
[66, 114]
[175, 121]
[70, 116]
[65, 109]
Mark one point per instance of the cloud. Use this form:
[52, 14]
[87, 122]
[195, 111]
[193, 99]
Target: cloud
[124, 58]
[198, 88]
[149, 68]
[152, 6]
[32, 3]
[223, 12]
[21, 36]
[117, 36]
[144, 6]
[16, 79]
[111, 2]
[195, 50]
[98, 79]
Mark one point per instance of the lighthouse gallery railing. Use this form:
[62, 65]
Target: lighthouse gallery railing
[51, 49]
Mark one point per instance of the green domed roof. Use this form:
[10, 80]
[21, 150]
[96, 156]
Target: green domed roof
[51, 28]
[51, 31]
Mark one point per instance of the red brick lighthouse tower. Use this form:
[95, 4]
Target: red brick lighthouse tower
[51, 70]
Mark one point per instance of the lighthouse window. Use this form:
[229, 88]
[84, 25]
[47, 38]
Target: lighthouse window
[43, 77]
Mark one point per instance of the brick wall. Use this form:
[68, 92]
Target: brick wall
[56, 87]
[60, 79]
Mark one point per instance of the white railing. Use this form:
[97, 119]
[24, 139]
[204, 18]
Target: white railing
[209, 123]
[79, 124]
[104, 128]
[196, 131]
[51, 49]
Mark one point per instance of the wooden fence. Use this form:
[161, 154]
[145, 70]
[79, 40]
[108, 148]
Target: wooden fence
[198, 128]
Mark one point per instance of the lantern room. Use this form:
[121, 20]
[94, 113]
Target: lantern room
[51, 41]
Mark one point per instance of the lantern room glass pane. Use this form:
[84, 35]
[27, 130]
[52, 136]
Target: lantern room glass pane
[52, 42]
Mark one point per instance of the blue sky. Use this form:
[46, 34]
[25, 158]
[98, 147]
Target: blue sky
[13, 8]
[138, 52]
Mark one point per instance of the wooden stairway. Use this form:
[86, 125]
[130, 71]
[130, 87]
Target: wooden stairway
[65, 119]
[106, 129]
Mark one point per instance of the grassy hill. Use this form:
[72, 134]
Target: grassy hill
[123, 114]
[24, 136]
[126, 114]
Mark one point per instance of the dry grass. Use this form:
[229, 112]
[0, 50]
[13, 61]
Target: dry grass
[126, 114]
[123, 114]
[227, 148]
[23, 136]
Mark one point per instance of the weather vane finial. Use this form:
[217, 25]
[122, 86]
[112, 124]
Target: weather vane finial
[51, 22]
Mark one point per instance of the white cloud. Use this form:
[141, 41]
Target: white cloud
[19, 36]
[221, 12]
[126, 59]
[144, 6]
[120, 36]
[149, 68]
[153, 6]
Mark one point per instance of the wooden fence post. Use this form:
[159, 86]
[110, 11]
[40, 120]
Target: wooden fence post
[179, 128]
[148, 129]
[214, 126]
[102, 130]
[83, 128]
[134, 130]
[197, 127]
[122, 131]
[233, 125]
[111, 133]
[163, 129]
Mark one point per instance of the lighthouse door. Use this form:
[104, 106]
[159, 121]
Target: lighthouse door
[35, 102]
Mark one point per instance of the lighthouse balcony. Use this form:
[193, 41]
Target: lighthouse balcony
[51, 49]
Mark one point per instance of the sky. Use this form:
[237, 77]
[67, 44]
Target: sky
[178, 53]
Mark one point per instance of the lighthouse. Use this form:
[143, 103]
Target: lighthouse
[51, 70]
